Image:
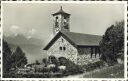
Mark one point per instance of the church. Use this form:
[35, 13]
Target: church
[77, 47]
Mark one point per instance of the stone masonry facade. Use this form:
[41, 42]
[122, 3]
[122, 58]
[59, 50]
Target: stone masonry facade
[80, 56]
[62, 48]
[85, 57]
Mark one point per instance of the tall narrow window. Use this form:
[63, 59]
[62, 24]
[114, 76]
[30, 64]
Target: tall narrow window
[99, 52]
[64, 48]
[95, 52]
[62, 40]
[60, 48]
[91, 52]
[56, 19]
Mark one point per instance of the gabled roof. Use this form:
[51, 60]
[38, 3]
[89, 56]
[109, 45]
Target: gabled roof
[76, 39]
[60, 12]
[81, 39]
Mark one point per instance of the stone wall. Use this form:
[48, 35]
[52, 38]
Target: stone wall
[62, 48]
[84, 56]
[80, 56]
[82, 51]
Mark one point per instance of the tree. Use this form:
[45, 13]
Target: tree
[6, 57]
[112, 42]
[37, 62]
[18, 58]
[44, 60]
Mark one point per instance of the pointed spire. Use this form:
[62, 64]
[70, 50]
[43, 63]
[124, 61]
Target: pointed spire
[60, 12]
[61, 8]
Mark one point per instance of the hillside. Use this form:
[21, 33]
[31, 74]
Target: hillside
[116, 71]
[107, 72]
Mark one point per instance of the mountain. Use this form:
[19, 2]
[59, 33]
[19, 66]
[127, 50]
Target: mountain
[32, 47]
[20, 39]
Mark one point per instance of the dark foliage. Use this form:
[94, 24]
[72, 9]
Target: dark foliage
[63, 61]
[6, 57]
[93, 66]
[18, 58]
[52, 72]
[11, 60]
[37, 62]
[53, 60]
[112, 43]
[71, 67]
[44, 60]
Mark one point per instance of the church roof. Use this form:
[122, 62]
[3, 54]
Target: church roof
[83, 39]
[77, 39]
[60, 12]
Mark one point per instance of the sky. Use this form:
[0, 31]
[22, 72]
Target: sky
[35, 19]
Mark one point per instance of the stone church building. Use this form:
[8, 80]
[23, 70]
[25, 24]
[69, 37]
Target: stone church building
[77, 47]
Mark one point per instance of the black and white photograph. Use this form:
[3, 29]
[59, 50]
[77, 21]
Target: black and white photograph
[63, 40]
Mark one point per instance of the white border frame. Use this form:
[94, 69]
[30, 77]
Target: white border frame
[68, 2]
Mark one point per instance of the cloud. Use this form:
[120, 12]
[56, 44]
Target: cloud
[32, 31]
[14, 30]
[28, 37]
[28, 33]
[14, 27]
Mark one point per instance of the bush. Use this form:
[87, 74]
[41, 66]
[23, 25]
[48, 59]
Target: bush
[71, 67]
[44, 60]
[112, 43]
[95, 65]
[53, 60]
[63, 61]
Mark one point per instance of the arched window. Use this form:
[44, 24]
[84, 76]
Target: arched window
[60, 48]
[64, 48]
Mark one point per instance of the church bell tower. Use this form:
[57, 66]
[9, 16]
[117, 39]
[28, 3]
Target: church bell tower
[61, 21]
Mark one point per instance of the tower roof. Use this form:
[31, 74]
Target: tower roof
[60, 12]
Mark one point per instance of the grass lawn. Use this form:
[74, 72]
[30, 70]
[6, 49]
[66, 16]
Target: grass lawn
[116, 71]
